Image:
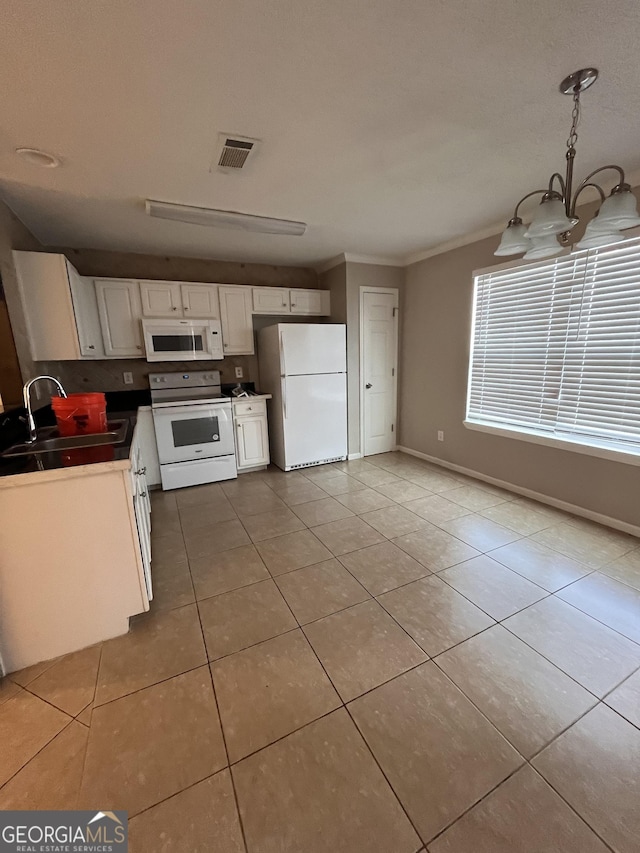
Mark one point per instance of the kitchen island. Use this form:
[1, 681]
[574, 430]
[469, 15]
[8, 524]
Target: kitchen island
[74, 552]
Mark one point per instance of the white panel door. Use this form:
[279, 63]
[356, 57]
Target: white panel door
[312, 348]
[200, 300]
[120, 311]
[270, 300]
[235, 316]
[379, 329]
[160, 298]
[314, 418]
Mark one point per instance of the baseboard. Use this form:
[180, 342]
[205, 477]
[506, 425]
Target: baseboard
[598, 517]
[354, 456]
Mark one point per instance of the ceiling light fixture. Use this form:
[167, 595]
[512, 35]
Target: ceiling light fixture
[38, 158]
[556, 215]
[223, 218]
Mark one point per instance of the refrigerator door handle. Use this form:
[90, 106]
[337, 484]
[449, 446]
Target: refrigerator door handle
[283, 366]
[284, 397]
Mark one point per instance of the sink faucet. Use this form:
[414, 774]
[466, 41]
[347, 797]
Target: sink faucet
[31, 424]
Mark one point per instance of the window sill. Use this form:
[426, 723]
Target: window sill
[627, 457]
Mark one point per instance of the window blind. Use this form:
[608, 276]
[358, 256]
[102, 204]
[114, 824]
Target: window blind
[555, 348]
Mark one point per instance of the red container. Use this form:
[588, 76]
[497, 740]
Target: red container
[80, 414]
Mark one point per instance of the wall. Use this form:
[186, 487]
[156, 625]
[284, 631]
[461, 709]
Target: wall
[345, 281]
[14, 344]
[434, 359]
[96, 262]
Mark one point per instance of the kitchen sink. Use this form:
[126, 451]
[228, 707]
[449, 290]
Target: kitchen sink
[50, 441]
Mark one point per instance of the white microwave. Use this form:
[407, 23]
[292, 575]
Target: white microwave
[182, 340]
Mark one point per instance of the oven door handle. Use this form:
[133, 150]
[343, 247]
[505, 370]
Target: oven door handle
[185, 410]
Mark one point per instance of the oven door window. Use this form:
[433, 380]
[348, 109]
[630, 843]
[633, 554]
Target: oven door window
[192, 431]
[178, 343]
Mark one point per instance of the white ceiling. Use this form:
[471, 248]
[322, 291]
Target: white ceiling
[389, 126]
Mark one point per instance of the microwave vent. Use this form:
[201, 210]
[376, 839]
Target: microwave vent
[234, 151]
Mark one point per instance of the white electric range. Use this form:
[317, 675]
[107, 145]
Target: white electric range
[194, 428]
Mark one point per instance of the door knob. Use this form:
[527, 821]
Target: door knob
[368, 385]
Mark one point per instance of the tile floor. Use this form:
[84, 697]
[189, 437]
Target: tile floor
[378, 656]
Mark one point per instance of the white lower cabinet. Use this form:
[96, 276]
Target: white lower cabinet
[74, 557]
[141, 507]
[120, 311]
[252, 434]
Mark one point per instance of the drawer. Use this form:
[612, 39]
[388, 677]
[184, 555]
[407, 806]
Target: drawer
[250, 407]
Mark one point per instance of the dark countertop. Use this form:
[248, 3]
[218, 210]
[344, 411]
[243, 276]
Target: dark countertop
[72, 458]
[121, 405]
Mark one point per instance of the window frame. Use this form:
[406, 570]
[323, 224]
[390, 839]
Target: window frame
[590, 445]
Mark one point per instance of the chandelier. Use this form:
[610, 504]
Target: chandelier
[556, 214]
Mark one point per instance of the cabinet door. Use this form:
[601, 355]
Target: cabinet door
[120, 311]
[146, 438]
[235, 316]
[270, 300]
[85, 308]
[252, 443]
[43, 281]
[310, 302]
[200, 300]
[160, 298]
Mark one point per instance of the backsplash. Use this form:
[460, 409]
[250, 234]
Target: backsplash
[77, 376]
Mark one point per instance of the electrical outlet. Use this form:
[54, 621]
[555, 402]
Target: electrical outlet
[239, 373]
[440, 435]
[127, 378]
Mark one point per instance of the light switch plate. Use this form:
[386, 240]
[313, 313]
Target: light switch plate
[440, 435]
[127, 378]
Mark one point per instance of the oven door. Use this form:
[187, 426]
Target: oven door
[182, 340]
[193, 431]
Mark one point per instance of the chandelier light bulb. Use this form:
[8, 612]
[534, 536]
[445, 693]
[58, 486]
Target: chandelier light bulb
[543, 247]
[513, 240]
[550, 218]
[620, 210]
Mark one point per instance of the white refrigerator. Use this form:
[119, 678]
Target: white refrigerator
[304, 367]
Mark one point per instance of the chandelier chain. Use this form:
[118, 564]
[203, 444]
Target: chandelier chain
[575, 121]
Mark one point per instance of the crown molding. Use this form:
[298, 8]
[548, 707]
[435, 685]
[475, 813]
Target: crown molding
[325, 266]
[456, 243]
[380, 260]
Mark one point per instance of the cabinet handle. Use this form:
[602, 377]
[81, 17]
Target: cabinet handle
[91, 346]
[186, 307]
[143, 494]
[175, 308]
[293, 304]
[141, 471]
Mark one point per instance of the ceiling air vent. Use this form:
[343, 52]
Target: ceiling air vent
[234, 152]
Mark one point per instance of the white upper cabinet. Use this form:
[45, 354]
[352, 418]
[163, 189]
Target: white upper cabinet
[235, 316]
[270, 300]
[120, 312]
[160, 298]
[282, 300]
[59, 306]
[179, 299]
[85, 307]
[200, 300]
[310, 302]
